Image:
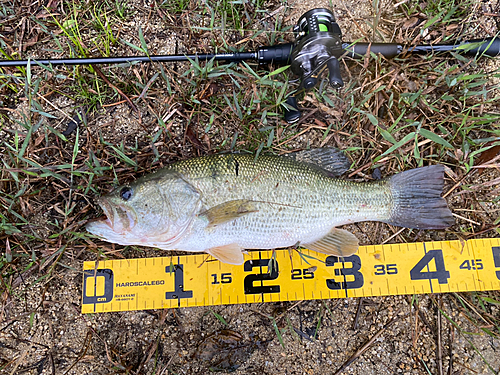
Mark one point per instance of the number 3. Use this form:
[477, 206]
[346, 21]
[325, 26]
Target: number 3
[358, 281]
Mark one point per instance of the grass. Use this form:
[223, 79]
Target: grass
[392, 115]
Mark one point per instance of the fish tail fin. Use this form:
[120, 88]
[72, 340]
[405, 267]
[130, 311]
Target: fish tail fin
[417, 199]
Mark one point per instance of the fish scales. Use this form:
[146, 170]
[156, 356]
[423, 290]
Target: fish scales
[295, 202]
[223, 204]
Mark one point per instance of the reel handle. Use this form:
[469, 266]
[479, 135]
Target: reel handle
[335, 77]
[291, 112]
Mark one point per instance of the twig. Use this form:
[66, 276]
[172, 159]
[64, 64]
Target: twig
[55, 107]
[483, 231]
[105, 79]
[356, 317]
[457, 184]
[450, 350]
[83, 352]
[439, 344]
[366, 345]
[19, 361]
[295, 136]
[474, 309]
[52, 364]
[400, 3]
[394, 235]
[464, 218]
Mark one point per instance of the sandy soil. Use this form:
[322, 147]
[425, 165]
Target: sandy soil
[43, 332]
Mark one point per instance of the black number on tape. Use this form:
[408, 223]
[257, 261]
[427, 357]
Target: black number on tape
[225, 278]
[249, 280]
[179, 291]
[358, 281]
[100, 286]
[386, 269]
[474, 264]
[299, 274]
[441, 274]
[496, 259]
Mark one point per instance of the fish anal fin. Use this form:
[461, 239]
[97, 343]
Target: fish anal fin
[338, 242]
[230, 254]
[228, 211]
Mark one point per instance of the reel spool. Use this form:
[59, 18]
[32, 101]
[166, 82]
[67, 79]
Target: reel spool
[318, 46]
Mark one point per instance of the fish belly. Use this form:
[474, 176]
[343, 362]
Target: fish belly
[288, 213]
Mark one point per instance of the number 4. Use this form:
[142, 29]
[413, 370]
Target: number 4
[441, 274]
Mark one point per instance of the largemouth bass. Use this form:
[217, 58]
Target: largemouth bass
[223, 204]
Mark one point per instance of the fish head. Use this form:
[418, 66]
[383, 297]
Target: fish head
[152, 211]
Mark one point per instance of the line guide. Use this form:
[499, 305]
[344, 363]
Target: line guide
[379, 270]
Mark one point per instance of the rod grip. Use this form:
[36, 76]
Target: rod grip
[358, 50]
[279, 53]
[489, 47]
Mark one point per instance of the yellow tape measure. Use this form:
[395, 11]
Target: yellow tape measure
[181, 281]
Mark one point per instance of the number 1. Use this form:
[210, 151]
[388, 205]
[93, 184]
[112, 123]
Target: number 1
[179, 291]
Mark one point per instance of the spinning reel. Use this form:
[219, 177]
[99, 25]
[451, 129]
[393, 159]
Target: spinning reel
[318, 47]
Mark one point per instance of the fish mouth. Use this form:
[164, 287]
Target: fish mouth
[106, 208]
[119, 219]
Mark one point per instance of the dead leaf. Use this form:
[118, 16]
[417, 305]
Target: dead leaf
[487, 155]
[193, 138]
[411, 23]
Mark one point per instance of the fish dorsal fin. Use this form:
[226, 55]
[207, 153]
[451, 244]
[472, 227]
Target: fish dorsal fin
[228, 211]
[329, 159]
[338, 242]
[230, 254]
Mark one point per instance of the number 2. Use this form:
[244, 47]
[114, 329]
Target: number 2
[249, 280]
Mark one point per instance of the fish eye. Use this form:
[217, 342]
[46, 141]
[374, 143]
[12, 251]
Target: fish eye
[126, 193]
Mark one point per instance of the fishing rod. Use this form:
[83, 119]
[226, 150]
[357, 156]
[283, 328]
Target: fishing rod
[318, 47]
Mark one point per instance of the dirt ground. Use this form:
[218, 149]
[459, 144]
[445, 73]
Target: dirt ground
[42, 330]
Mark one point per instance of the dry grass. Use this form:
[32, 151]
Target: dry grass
[69, 134]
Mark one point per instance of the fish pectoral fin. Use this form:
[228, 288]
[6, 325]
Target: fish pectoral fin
[228, 211]
[227, 254]
[338, 242]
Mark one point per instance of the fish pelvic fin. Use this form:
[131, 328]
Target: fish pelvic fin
[230, 254]
[417, 199]
[228, 211]
[338, 242]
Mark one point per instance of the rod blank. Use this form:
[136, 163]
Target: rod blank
[282, 52]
